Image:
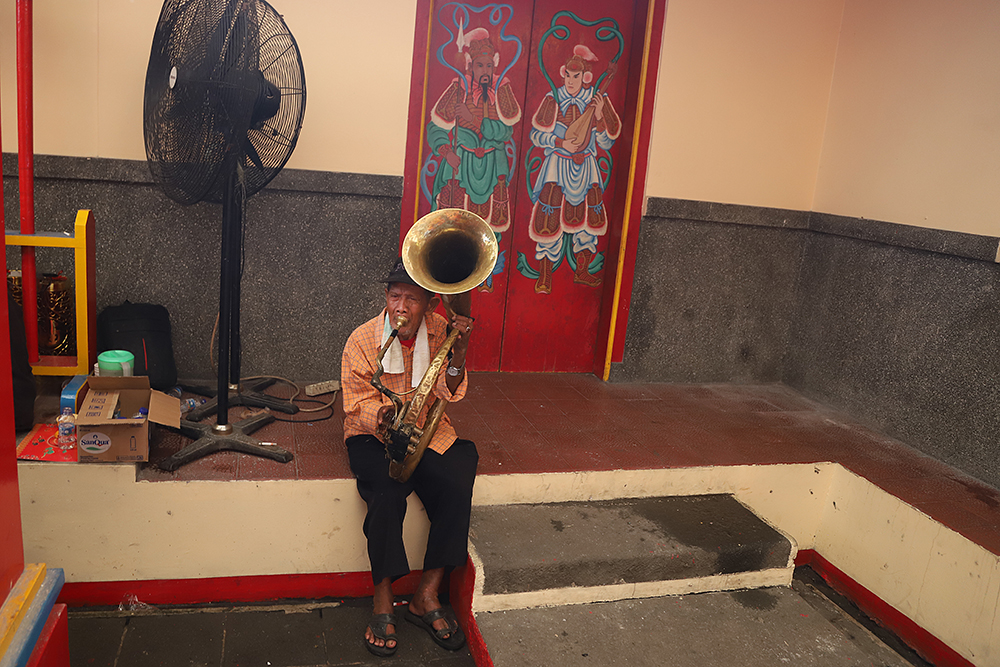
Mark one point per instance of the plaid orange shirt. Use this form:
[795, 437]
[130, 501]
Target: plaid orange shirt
[362, 401]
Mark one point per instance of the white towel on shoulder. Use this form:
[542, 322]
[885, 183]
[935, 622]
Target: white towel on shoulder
[392, 362]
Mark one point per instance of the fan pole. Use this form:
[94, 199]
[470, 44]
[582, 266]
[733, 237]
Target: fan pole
[229, 323]
[223, 436]
[232, 209]
[236, 275]
[251, 393]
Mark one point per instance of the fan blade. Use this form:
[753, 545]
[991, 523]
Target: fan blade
[252, 153]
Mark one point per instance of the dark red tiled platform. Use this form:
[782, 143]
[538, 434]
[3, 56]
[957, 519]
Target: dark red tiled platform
[568, 422]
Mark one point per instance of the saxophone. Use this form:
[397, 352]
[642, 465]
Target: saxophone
[449, 252]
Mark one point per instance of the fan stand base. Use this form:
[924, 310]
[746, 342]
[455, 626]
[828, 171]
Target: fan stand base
[208, 439]
[252, 396]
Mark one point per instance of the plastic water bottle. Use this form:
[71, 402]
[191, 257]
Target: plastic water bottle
[66, 423]
[189, 404]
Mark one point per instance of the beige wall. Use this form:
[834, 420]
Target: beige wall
[885, 109]
[90, 68]
[741, 100]
[914, 123]
[945, 583]
[88, 76]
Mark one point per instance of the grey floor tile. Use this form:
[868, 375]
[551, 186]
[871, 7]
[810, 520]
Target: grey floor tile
[94, 642]
[456, 659]
[274, 639]
[760, 628]
[183, 640]
[343, 629]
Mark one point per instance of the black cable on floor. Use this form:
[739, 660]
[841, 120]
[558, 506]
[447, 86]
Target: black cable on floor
[306, 421]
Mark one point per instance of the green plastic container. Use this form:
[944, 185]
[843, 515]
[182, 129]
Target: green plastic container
[115, 362]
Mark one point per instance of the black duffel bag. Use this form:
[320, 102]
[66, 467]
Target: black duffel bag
[20, 370]
[144, 330]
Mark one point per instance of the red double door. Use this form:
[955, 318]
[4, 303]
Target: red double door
[523, 112]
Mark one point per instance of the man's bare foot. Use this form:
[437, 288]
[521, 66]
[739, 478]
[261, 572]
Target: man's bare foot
[383, 604]
[427, 612]
[425, 598]
[428, 605]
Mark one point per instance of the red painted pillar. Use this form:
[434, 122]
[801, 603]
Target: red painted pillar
[26, 173]
[11, 549]
[1, 181]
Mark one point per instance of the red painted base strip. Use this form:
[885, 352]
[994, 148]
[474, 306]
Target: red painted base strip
[52, 647]
[463, 586]
[359, 584]
[923, 642]
[275, 587]
[229, 589]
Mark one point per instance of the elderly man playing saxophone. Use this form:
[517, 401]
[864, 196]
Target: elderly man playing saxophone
[444, 477]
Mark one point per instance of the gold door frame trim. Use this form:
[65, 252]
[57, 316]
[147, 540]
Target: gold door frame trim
[627, 217]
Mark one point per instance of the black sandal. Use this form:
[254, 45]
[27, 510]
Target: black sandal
[379, 626]
[450, 638]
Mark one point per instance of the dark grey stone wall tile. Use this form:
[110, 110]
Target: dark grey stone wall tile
[893, 324]
[906, 340]
[137, 171]
[372, 185]
[710, 303]
[312, 262]
[316, 278]
[971, 246]
[760, 216]
[685, 209]
[681, 209]
[87, 169]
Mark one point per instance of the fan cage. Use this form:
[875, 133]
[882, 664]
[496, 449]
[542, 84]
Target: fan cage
[199, 129]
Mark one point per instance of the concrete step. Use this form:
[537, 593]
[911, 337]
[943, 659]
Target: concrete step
[575, 552]
[759, 628]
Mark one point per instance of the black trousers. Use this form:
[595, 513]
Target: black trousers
[443, 482]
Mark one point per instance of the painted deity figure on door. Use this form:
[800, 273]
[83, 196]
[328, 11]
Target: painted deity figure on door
[574, 126]
[470, 130]
[571, 125]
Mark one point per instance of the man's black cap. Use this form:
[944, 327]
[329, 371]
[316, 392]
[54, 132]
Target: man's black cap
[398, 274]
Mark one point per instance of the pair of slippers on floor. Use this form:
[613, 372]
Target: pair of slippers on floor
[450, 638]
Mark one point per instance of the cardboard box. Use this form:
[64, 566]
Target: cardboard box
[101, 437]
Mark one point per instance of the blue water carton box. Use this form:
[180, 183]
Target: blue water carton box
[72, 394]
[111, 425]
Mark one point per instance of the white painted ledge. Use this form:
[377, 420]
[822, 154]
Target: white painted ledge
[98, 524]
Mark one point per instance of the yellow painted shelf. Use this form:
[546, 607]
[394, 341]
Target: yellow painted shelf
[81, 242]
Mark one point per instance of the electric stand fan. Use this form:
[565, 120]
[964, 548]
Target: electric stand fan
[224, 101]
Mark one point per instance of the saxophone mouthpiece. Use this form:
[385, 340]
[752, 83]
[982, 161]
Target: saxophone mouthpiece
[400, 322]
